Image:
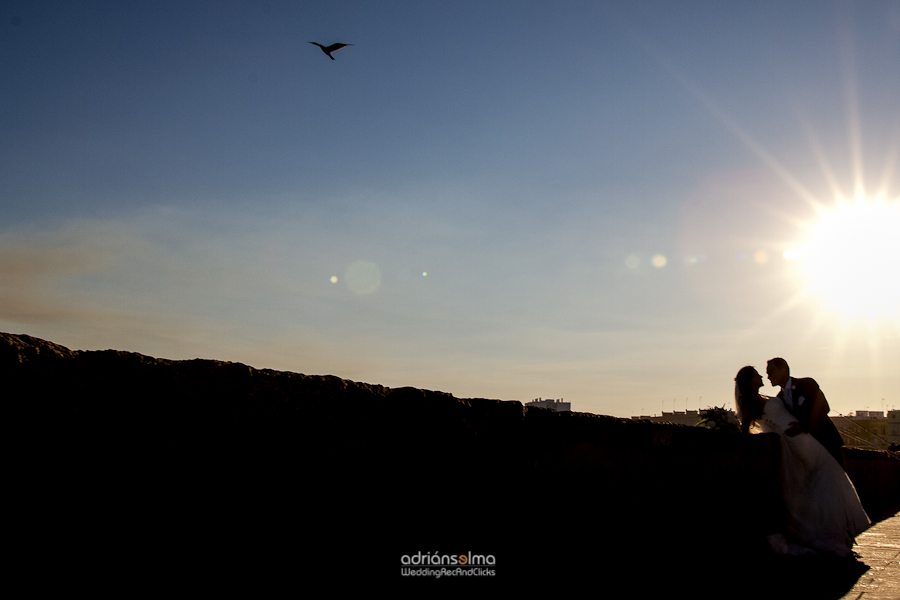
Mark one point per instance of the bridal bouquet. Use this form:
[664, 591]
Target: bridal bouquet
[719, 418]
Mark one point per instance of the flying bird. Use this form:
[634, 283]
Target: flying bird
[329, 49]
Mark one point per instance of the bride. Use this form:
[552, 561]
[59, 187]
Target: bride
[824, 514]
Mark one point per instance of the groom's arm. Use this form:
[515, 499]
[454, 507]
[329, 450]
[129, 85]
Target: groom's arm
[812, 396]
[819, 410]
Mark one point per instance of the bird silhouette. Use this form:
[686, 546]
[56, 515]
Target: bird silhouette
[329, 49]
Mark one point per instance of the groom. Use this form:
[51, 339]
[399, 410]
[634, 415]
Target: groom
[804, 399]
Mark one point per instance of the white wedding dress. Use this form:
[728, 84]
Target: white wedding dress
[824, 512]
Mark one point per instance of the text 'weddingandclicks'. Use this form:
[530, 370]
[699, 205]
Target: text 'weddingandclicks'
[450, 565]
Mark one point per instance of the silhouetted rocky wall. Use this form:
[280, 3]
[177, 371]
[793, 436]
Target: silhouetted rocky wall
[203, 453]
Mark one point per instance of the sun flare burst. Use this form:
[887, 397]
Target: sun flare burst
[852, 258]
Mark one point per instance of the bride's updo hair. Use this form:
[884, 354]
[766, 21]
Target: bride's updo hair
[747, 397]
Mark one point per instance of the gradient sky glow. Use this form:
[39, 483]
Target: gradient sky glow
[588, 200]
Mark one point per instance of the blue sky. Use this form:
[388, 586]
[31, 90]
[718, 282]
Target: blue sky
[588, 200]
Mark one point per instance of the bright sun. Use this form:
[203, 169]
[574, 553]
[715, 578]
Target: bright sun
[852, 258]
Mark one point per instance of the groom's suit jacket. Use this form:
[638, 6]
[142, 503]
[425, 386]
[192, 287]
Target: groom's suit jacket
[811, 409]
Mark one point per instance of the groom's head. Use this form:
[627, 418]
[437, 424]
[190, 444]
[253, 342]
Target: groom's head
[778, 371]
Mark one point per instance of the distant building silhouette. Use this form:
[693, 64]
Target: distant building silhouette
[557, 405]
[869, 428]
[684, 417]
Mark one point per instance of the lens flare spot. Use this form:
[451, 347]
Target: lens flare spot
[694, 259]
[760, 257]
[363, 277]
[334, 279]
[659, 261]
[424, 273]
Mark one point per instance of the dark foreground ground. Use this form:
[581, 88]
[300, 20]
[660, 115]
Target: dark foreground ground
[256, 542]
